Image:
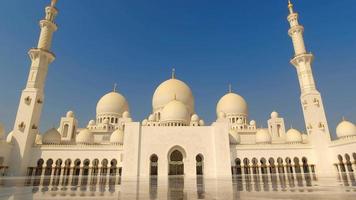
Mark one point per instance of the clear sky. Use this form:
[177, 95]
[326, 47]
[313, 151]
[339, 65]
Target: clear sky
[135, 43]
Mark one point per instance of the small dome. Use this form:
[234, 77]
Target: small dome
[263, 136]
[151, 118]
[221, 115]
[175, 111]
[274, 115]
[9, 138]
[239, 121]
[106, 121]
[85, 137]
[117, 137]
[195, 118]
[345, 129]
[201, 123]
[166, 91]
[52, 136]
[91, 123]
[232, 104]
[126, 114]
[70, 114]
[144, 122]
[112, 103]
[252, 123]
[234, 137]
[293, 136]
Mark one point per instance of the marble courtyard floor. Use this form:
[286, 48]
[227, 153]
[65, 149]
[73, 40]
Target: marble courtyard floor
[280, 186]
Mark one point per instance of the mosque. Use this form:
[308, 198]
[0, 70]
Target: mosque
[174, 139]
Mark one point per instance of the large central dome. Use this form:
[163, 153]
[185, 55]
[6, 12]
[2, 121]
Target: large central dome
[170, 89]
[112, 103]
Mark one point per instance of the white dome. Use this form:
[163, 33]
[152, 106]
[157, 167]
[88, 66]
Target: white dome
[232, 104]
[293, 136]
[252, 122]
[263, 136]
[70, 114]
[91, 123]
[170, 89]
[274, 115]
[117, 137]
[151, 118]
[85, 137]
[195, 118]
[175, 111]
[9, 137]
[239, 121]
[106, 121]
[144, 122]
[345, 129]
[52, 136]
[234, 137]
[112, 103]
[126, 114]
[201, 122]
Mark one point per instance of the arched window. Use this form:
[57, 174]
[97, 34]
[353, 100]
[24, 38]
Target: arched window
[104, 167]
[246, 162]
[199, 164]
[65, 130]
[255, 166]
[289, 166]
[238, 170]
[348, 163]
[296, 165]
[38, 171]
[48, 170]
[113, 167]
[263, 166]
[305, 165]
[176, 165]
[86, 164]
[341, 163]
[272, 166]
[154, 165]
[76, 169]
[280, 165]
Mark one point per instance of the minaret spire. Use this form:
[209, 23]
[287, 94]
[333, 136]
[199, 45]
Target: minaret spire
[290, 7]
[313, 109]
[32, 97]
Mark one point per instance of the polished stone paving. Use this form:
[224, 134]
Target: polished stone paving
[300, 186]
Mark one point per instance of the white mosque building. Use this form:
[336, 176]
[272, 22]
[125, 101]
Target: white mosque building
[174, 139]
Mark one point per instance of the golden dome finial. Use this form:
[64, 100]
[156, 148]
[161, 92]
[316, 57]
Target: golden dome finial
[115, 87]
[53, 3]
[290, 7]
[173, 73]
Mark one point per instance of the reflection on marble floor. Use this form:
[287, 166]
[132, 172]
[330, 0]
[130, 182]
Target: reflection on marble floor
[292, 186]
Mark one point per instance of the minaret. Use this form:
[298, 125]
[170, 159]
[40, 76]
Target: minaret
[32, 97]
[312, 104]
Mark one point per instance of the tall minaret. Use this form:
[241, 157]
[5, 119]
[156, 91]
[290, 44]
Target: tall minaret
[32, 97]
[312, 104]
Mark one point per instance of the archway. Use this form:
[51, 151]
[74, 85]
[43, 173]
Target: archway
[199, 165]
[238, 166]
[154, 165]
[176, 164]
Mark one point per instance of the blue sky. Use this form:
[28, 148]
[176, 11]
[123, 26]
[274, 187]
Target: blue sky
[210, 43]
